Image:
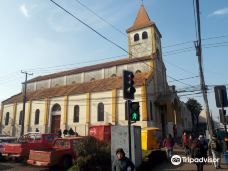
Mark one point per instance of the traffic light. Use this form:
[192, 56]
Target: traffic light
[134, 111]
[128, 85]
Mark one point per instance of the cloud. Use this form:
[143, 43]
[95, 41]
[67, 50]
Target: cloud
[27, 9]
[24, 10]
[220, 12]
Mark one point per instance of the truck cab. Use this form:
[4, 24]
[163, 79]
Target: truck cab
[27, 142]
[62, 153]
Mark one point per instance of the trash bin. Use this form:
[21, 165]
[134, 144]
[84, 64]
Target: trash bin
[150, 138]
[226, 157]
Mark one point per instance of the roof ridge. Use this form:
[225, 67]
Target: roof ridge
[88, 68]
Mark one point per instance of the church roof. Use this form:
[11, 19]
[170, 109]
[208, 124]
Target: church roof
[142, 20]
[80, 88]
[90, 68]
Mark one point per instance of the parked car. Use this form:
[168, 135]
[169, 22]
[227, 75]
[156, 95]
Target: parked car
[5, 139]
[62, 153]
[25, 143]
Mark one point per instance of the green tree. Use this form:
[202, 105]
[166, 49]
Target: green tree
[195, 108]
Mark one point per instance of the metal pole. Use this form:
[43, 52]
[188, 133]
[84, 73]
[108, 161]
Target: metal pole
[129, 127]
[202, 81]
[24, 102]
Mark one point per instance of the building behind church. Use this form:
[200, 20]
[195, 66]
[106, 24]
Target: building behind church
[92, 95]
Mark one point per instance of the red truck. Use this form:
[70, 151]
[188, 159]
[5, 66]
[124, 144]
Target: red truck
[62, 153]
[20, 150]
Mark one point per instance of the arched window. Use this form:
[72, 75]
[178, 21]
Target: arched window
[136, 37]
[7, 119]
[56, 109]
[100, 112]
[92, 79]
[113, 75]
[73, 82]
[37, 116]
[144, 35]
[56, 85]
[138, 71]
[20, 117]
[76, 113]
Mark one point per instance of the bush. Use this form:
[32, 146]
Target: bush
[92, 155]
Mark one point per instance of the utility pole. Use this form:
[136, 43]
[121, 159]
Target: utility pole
[202, 81]
[24, 89]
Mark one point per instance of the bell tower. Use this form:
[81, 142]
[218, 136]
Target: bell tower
[143, 36]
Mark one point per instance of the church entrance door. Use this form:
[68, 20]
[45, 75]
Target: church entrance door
[55, 123]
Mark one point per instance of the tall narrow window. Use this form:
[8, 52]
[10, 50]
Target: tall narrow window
[100, 112]
[37, 116]
[144, 35]
[136, 37]
[7, 119]
[20, 117]
[76, 113]
[151, 110]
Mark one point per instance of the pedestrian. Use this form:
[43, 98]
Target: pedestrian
[168, 143]
[59, 133]
[190, 140]
[37, 130]
[122, 163]
[216, 148]
[175, 131]
[185, 143]
[197, 153]
[204, 144]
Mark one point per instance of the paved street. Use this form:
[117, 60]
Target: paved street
[167, 166]
[13, 166]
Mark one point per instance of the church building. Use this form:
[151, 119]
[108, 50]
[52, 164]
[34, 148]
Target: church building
[93, 95]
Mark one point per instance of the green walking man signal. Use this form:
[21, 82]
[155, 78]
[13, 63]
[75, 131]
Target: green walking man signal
[134, 111]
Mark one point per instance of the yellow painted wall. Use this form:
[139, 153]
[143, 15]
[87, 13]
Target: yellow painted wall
[46, 111]
[14, 113]
[88, 108]
[114, 99]
[65, 109]
[144, 103]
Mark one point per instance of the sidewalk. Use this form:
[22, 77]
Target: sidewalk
[168, 166]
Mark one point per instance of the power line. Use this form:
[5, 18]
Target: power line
[191, 41]
[104, 37]
[186, 78]
[104, 20]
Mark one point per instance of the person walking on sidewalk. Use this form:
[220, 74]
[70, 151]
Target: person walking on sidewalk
[168, 143]
[204, 143]
[185, 143]
[197, 152]
[122, 163]
[216, 149]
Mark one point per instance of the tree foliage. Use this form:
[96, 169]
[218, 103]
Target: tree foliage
[195, 108]
[92, 155]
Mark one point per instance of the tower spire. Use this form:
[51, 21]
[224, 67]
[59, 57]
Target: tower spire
[142, 20]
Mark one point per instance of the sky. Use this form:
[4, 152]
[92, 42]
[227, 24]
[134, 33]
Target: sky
[38, 37]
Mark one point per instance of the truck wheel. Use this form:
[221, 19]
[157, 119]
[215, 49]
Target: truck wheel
[66, 162]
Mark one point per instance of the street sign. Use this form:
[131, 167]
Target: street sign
[221, 96]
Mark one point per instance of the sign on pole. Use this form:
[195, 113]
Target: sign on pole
[221, 96]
